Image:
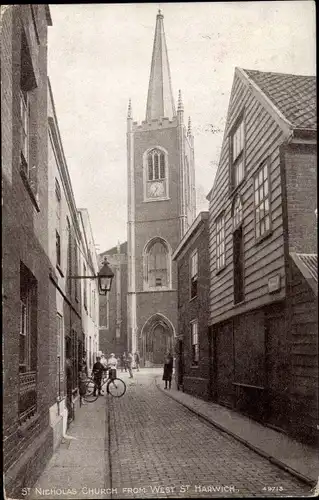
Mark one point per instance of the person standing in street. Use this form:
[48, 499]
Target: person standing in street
[82, 384]
[69, 387]
[123, 362]
[168, 370]
[129, 361]
[84, 364]
[97, 374]
[137, 361]
[112, 365]
[104, 360]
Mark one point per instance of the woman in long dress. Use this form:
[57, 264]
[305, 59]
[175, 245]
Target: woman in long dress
[168, 370]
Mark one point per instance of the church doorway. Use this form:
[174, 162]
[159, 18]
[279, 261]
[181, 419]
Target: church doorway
[157, 340]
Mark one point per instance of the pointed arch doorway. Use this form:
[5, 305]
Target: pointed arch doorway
[157, 338]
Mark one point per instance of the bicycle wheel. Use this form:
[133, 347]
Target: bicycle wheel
[90, 396]
[116, 387]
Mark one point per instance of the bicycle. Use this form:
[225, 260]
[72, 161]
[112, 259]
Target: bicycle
[114, 386]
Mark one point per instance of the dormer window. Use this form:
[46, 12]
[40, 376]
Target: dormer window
[237, 143]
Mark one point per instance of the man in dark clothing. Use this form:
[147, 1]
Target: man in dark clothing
[97, 374]
[168, 370]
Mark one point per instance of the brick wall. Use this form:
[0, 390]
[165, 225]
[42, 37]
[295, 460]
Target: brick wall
[304, 383]
[168, 139]
[196, 379]
[108, 340]
[24, 232]
[301, 180]
[6, 90]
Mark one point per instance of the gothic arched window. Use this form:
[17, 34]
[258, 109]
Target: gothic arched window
[156, 165]
[237, 212]
[157, 264]
[155, 174]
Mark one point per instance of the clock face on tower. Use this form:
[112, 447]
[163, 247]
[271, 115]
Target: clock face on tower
[156, 189]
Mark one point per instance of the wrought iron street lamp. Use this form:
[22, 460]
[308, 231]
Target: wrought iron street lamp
[104, 277]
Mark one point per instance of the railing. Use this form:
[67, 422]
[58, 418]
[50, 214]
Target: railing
[27, 381]
[60, 388]
[27, 395]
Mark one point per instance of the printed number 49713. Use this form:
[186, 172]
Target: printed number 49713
[272, 488]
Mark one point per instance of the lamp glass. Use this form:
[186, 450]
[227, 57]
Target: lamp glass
[105, 284]
[105, 277]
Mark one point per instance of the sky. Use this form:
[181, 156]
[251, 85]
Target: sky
[100, 57]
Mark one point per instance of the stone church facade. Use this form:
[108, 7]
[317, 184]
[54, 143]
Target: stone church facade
[161, 207]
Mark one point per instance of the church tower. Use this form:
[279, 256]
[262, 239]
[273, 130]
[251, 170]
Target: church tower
[161, 207]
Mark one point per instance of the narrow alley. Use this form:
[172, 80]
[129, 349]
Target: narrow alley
[160, 222]
[146, 445]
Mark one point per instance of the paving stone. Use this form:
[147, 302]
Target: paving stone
[163, 444]
[158, 449]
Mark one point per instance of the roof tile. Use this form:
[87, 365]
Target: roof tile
[293, 95]
[308, 266]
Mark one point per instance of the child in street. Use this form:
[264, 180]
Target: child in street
[129, 361]
[82, 384]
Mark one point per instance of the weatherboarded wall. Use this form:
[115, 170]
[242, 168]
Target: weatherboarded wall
[263, 259]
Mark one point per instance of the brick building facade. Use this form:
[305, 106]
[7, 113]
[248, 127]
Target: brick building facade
[46, 240]
[192, 349]
[71, 253]
[27, 383]
[263, 254]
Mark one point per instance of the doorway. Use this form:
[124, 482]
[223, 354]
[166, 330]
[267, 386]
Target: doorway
[224, 361]
[158, 338]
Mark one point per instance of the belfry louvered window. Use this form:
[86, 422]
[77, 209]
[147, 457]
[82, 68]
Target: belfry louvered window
[156, 165]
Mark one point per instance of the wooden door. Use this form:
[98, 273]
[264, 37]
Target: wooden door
[224, 362]
[276, 369]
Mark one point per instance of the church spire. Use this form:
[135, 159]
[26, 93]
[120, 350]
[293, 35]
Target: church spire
[180, 106]
[129, 109]
[189, 129]
[160, 101]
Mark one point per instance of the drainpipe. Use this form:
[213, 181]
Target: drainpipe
[59, 385]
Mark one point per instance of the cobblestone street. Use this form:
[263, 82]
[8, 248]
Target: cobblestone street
[160, 449]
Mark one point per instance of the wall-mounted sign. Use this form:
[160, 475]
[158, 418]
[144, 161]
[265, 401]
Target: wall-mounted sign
[274, 284]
